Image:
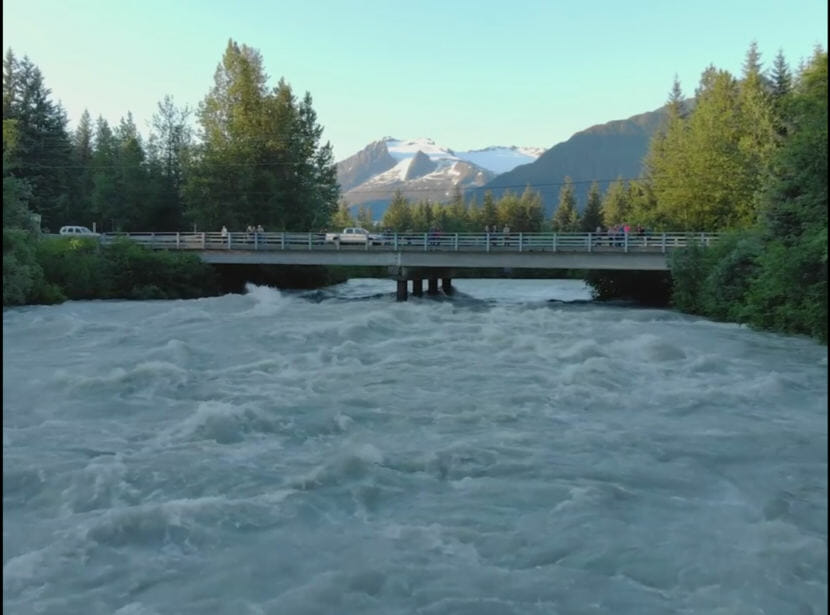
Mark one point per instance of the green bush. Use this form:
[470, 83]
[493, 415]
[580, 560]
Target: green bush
[732, 265]
[789, 291]
[73, 264]
[652, 288]
[23, 277]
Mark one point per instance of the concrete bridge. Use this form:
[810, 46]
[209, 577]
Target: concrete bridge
[430, 256]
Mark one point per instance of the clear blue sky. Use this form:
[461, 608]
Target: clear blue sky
[468, 74]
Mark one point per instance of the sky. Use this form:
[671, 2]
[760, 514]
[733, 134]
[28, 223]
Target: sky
[467, 74]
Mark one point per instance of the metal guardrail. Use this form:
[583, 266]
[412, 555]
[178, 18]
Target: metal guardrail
[427, 242]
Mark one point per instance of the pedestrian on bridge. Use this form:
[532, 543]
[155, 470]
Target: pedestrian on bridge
[224, 231]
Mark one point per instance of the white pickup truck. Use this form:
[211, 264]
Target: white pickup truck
[356, 235]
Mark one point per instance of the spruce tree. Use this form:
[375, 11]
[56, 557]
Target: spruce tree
[616, 208]
[566, 219]
[43, 153]
[489, 211]
[592, 216]
[261, 161]
[398, 216]
[81, 208]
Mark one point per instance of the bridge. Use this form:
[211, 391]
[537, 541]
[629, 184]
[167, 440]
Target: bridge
[430, 256]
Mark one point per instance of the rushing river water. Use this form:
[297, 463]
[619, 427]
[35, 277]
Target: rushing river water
[338, 452]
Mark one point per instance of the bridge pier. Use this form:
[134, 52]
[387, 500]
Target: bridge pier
[401, 295]
[446, 286]
[417, 287]
[432, 288]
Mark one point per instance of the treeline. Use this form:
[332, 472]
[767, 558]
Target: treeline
[749, 156]
[522, 213]
[256, 158]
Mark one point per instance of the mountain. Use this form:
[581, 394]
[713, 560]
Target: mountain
[603, 152]
[421, 169]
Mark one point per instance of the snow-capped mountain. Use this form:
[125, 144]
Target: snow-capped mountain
[421, 169]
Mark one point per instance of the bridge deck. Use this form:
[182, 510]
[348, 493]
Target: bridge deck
[457, 250]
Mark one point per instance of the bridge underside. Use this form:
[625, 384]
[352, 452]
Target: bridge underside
[398, 262]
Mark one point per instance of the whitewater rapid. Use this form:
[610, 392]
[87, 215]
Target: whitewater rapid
[515, 449]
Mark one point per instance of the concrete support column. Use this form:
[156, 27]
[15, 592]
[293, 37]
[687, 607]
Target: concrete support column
[417, 287]
[432, 286]
[446, 286]
[401, 294]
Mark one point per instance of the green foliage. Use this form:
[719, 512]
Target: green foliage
[342, 218]
[364, 218]
[261, 161]
[752, 156]
[714, 281]
[74, 265]
[129, 270]
[41, 155]
[397, 216]
[789, 292]
[651, 288]
[592, 216]
[565, 219]
[23, 279]
[733, 264]
[616, 208]
[60, 268]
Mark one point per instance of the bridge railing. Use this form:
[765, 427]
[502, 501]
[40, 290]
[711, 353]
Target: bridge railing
[434, 241]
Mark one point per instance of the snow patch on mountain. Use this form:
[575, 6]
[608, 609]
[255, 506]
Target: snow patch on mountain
[501, 159]
[400, 150]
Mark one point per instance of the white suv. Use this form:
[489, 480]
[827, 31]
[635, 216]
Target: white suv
[77, 231]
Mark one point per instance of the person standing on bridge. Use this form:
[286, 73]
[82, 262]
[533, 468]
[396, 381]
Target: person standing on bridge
[224, 231]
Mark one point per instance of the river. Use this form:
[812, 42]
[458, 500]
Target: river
[517, 449]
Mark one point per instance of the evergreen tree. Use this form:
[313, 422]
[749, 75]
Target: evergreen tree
[616, 208]
[169, 149]
[759, 136]
[16, 191]
[489, 211]
[423, 216]
[43, 154]
[81, 208]
[782, 80]
[704, 174]
[566, 219]
[398, 216]
[665, 161]
[789, 290]
[131, 211]
[105, 193]
[364, 218]
[592, 216]
[260, 161]
[509, 210]
[342, 218]
[458, 216]
[642, 206]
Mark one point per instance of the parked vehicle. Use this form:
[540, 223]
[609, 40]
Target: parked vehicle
[354, 235]
[77, 231]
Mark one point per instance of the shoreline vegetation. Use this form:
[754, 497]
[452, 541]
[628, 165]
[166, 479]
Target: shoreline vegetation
[747, 156]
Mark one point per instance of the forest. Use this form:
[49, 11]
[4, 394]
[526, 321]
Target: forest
[744, 155]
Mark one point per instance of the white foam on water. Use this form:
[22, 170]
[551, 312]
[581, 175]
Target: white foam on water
[515, 449]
